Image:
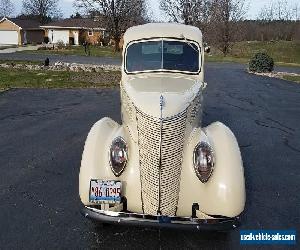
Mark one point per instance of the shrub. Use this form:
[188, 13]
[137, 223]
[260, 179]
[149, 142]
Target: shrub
[104, 41]
[42, 48]
[60, 44]
[261, 62]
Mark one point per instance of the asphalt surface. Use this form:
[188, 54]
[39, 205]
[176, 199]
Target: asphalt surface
[42, 137]
[61, 58]
[92, 60]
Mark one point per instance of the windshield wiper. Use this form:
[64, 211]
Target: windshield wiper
[185, 39]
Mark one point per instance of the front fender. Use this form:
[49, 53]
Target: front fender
[95, 162]
[224, 193]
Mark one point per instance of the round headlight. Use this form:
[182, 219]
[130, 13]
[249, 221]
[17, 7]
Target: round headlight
[203, 161]
[118, 155]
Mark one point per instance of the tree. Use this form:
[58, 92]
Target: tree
[225, 17]
[117, 15]
[279, 21]
[76, 15]
[217, 18]
[187, 11]
[7, 8]
[44, 10]
[279, 11]
[295, 11]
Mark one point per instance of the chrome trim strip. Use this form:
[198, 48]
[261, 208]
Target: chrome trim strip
[164, 70]
[161, 104]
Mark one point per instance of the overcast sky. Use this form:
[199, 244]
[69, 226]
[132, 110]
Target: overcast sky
[254, 7]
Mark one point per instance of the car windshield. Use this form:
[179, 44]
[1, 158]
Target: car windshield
[162, 55]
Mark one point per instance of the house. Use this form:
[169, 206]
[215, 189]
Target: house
[75, 31]
[14, 31]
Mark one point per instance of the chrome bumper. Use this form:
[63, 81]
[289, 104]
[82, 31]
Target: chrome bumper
[133, 219]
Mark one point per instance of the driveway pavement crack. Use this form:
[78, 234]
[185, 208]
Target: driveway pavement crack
[279, 123]
[263, 124]
[241, 99]
[287, 143]
[239, 107]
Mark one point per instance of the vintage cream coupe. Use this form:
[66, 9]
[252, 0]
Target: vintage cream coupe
[160, 168]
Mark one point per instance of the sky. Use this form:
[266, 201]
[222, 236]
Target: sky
[254, 6]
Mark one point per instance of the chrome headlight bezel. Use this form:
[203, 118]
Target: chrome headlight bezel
[118, 167]
[203, 147]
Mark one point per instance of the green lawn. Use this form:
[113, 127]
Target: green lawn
[7, 47]
[220, 58]
[79, 50]
[292, 78]
[283, 52]
[20, 62]
[15, 78]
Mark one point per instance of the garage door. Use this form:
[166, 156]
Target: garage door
[9, 37]
[59, 35]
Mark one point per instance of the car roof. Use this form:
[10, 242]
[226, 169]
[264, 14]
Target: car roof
[158, 30]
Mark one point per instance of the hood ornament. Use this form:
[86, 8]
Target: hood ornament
[161, 102]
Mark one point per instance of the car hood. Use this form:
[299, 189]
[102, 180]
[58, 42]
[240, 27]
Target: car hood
[177, 93]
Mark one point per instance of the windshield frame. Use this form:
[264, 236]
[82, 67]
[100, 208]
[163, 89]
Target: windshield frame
[184, 40]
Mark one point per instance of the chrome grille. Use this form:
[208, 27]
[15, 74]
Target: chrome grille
[149, 141]
[127, 106]
[173, 134]
[195, 110]
[161, 193]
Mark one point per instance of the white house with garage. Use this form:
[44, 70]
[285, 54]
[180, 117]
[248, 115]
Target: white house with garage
[75, 31]
[15, 31]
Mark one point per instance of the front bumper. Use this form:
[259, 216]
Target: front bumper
[133, 219]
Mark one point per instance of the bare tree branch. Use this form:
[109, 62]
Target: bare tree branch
[117, 15]
[42, 9]
[225, 16]
[186, 11]
[7, 8]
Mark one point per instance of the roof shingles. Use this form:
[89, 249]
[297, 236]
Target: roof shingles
[25, 23]
[84, 23]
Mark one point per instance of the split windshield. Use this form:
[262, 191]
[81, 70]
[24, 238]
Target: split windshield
[163, 55]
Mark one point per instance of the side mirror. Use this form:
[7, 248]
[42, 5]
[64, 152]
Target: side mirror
[204, 84]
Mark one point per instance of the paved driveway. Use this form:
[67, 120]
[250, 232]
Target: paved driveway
[68, 58]
[42, 137]
[18, 49]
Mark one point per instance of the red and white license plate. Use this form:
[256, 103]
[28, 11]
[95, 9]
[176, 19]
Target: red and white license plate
[105, 191]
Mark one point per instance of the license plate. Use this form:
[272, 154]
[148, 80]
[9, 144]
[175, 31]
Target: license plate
[105, 191]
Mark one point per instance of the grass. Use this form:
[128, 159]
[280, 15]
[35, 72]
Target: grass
[16, 78]
[220, 58]
[284, 53]
[20, 62]
[79, 50]
[292, 78]
[8, 47]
